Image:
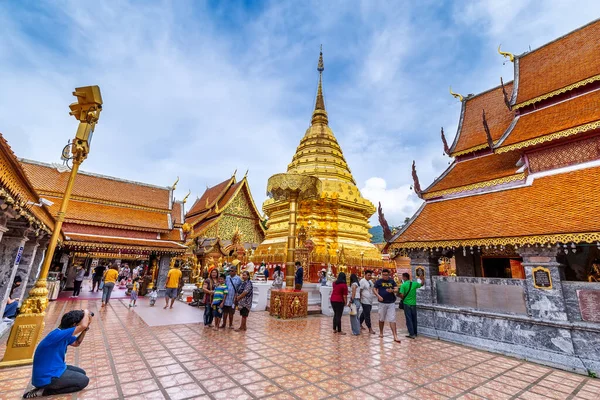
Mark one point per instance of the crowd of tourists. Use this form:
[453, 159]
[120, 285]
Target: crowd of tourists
[361, 296]
[224, 293]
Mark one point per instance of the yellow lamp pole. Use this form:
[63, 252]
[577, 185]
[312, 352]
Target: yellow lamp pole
[29, 324]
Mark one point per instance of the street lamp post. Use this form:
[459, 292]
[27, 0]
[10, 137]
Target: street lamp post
[29, 324]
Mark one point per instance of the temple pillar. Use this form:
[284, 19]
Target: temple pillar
[36, 265]
[11, 250]
[423, 261]
[25, 265]
[543, 280]
[163, 269]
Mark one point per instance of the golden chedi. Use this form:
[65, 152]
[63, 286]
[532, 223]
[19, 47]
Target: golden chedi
[337, 222]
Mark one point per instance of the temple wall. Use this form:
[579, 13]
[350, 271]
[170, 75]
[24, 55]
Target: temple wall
[551, 325]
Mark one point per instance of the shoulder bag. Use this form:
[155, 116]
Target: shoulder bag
[401, 305]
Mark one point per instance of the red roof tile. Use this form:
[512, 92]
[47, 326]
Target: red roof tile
[46, 178]
[575, 112]
[565, 61]
[86, 213]
[176, 213]
[480, 169]
[558, 204]
[210, 195]
[471, 132]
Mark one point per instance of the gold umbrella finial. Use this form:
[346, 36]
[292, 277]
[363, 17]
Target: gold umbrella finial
[320, 114]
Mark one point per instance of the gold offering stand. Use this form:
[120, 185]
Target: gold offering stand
[287, 304]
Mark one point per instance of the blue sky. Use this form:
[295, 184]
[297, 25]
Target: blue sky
[198, 89]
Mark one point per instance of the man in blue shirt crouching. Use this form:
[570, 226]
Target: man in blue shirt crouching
[51, 374]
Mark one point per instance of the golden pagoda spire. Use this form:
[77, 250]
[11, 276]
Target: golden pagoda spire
[320, 115]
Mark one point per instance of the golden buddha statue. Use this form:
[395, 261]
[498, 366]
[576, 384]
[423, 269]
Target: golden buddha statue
[594, 275]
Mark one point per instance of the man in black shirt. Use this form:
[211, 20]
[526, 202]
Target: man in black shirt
[97, 277]
[385, 291]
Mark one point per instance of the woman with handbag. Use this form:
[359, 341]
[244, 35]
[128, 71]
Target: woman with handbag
[339, 296]
[354, 304]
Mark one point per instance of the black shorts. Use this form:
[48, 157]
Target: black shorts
[228, 310]
[244, 311]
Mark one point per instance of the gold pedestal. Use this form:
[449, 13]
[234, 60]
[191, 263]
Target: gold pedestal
[28, 328]
[287, 304]
[22, 341]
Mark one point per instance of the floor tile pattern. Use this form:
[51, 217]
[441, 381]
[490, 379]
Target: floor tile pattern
[128, 359]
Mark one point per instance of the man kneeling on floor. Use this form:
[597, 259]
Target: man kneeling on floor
[51, 375]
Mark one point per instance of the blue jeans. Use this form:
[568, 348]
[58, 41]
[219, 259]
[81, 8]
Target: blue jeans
[11, 310]
[355, 319]
[106, 291]
[410, 313]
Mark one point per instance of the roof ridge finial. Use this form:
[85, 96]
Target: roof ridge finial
[506, 54]
[320, 114]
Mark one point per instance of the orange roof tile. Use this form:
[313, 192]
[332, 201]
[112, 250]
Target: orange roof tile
[87, 213]
[557, 204]
[572, 58]
[14, 179]
[480, 169]
[210, 195]
[100, 240]
[470, 131]
[173, 235]
[46, 178]
[575, 112]
[176, 213]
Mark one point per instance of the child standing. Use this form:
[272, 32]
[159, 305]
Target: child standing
[134, 293]
[219, 296]
[153, 296]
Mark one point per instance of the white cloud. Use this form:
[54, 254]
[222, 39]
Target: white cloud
[197, 90]
[396, 203]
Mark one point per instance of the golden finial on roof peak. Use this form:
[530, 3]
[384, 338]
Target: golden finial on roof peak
[186, 197]
[506, 54]
[175, 184]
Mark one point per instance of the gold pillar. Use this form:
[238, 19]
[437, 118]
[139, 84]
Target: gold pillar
[291, 242]
[29, 324]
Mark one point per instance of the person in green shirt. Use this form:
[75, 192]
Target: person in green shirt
[408, 294]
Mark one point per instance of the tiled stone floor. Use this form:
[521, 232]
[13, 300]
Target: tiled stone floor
[126, 358]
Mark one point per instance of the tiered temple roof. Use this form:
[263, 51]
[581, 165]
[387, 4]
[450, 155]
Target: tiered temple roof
[537, 184]
[224, 208]
[107, 214]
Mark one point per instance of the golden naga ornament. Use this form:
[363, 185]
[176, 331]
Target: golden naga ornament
[506, 54]
[456, 95]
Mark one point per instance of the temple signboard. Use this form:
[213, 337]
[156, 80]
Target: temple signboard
[541, 278]
[589, 305]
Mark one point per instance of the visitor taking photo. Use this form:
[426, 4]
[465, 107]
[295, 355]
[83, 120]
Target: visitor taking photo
[51, 374]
